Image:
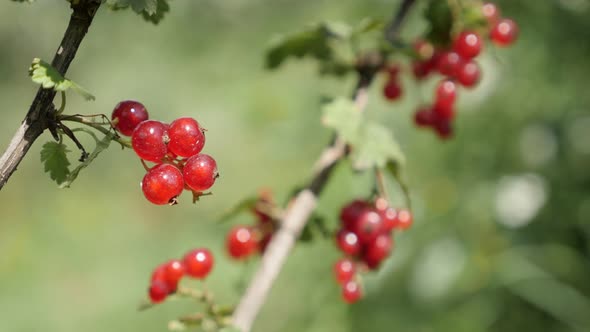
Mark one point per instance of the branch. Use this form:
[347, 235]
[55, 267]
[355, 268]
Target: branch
[42, 108]
[305, 202]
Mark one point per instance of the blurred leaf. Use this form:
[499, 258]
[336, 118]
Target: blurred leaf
[440, 21]
[48, 77]
[139, 6]
[369, 24]
[313, 42]
[315, 226]
[163, 8]
[246, 204]
[543, 290]
[101, 145]
[372, 144]
[54, 157]
[472, 18]
[394, 170]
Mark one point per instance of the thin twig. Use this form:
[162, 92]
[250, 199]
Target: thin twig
[304, 203]
[40, 113]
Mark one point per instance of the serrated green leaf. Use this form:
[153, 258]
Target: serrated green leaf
[162, 9]
[55, 160]
[376, 147]
[343, 116]
[246, 204]
[372, 144]
[48, 77]
[101, 145]
[313, 42]
[440, 20]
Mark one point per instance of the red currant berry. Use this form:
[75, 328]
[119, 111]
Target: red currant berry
[200, 172]
[469, 74]
[127, 115]
[424, 117]
[351, 212]
[351, 291]
[348, 242]
[186, 137]
[389, 217]
[490, 12]
[158, 291]
[393, 71]
[378, 250]
[392, 90]
[468, 44]
[443, 113]
[449, 63]
[344, 270]
[424, 49]
[504, 33]
[404, 219]
[368, 226]
[162, 184]
[241, 242]
[198, 263]
[421, 69]
[446, 93]
[443, 128]
[149, 140]
[174, 271]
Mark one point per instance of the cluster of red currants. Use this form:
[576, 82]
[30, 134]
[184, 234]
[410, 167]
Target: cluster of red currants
[366, 238]
[243, 241]
[174, 148]
[196, 264]
[458, 66]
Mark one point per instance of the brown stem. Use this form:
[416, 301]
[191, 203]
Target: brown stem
[40, 112]
[305, 201]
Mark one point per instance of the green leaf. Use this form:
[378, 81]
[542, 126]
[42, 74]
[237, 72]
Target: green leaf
[53, 155]
[376, 147]
[372, 144]
[440, 20]
[48, 77]
[139, 6]
[316, 226]
[312, 42]
[101, 145]
[161, 10]
[246, 204]
[369, 24]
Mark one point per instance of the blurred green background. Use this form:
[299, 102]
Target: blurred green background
[501, 239]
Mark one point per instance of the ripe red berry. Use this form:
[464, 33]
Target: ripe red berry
[127, 115]
[446, 93]
[158, 291]
[468, 44]
[351, 212]
[200, 172]
[198, 263]
[186, 137]
[351, 291]
[490, 12]
[174, 271]
[368, 226]
[378, 250]
[424, 117]
[392, 90]
[423, 49]
[443, 113]
[348, 242]
[162, 184]
[404, 219]
[443, 128]
[449, 63]
[469, 74]
[344, 270]
[389, 217]
[504, 33]
[149, 140]
[241, 242]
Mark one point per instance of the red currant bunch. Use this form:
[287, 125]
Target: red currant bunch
[196, 263]
[175, 149]
[366, 238]
[458, 67]
[243, 241]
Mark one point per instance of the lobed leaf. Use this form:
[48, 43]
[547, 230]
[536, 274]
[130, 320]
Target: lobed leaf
[101, 145]
[55, 161]
[48, 77]
[151, 10]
